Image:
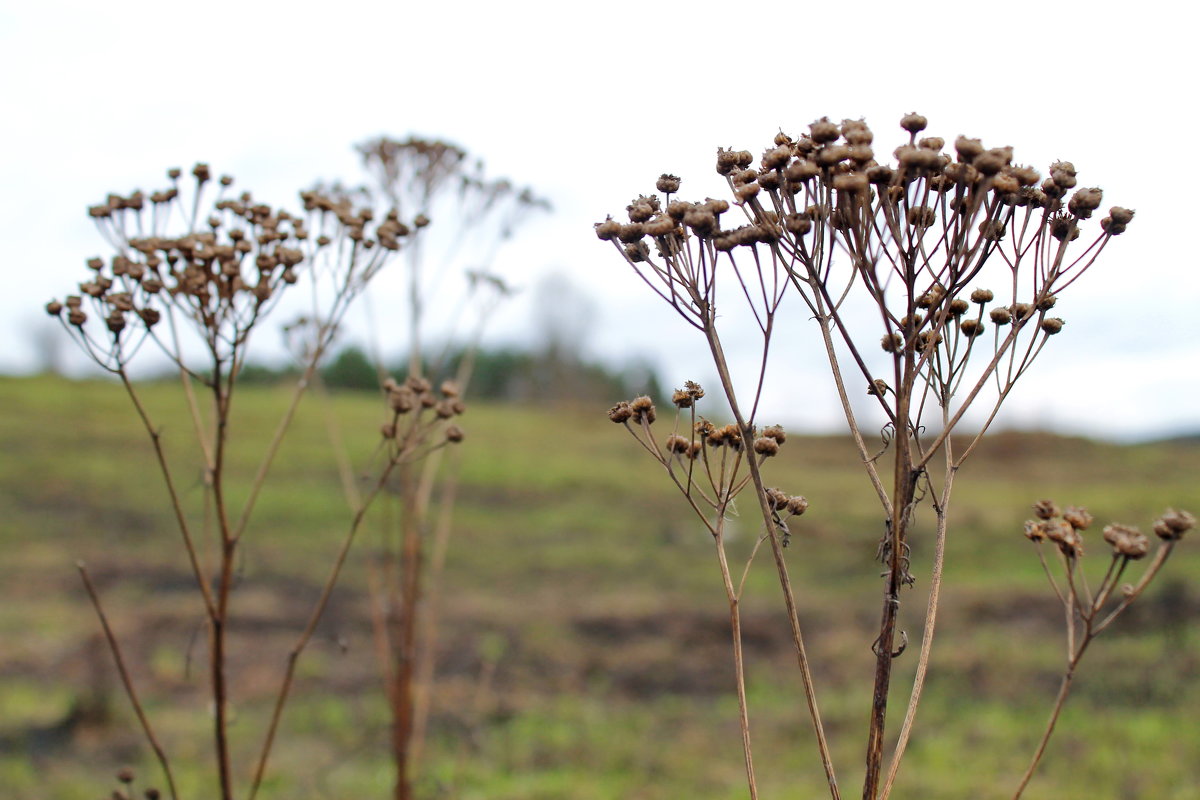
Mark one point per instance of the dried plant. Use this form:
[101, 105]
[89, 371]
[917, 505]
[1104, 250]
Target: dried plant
[468, 217]
[931, 280]
[1090, 612]
[707, 463]
[194, 273]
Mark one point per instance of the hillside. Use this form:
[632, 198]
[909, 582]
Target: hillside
[583, 642]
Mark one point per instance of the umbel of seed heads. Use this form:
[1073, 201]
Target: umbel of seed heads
[415, 396]
[1065, 528]
[830, 178]
[224, 269]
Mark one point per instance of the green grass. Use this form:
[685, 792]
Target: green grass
[576, 572]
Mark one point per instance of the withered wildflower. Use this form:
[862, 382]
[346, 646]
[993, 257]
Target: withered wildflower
[711, 478]
[931, 244]
[1091, 611]
[642, 409]
[194, 271]
[218, 278]
[1172, 525]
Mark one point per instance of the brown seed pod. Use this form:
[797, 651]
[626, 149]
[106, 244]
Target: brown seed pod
[1172, 525]
[1078, 517]
[971, 328]
[1045, 509]
[766, 446]
[621, 412]
[796, 505]
[913, 122]
[777, 499]
[1052, 325]
[775, 432]
[1000, 316]
[823, 131]
[677, 444]
[642, 409]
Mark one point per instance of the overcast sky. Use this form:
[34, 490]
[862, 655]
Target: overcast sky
[589, 103]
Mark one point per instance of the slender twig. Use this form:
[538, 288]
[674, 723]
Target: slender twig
[310, 627]
[127, 680]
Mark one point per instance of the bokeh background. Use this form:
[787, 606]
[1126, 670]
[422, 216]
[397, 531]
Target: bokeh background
[583, 646]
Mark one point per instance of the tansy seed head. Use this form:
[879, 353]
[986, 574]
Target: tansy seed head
[733, 436]
[642, 409]
[913, 122]
[766, 446]
[621, 412]
[777, 499]
[678, 444]
[1078, 517]
[1120, 215]
[1173, 524]
[971, 328]
[682, 399]
[1126, 541]
[1052, 325]
[823, 131]
[1045, 509]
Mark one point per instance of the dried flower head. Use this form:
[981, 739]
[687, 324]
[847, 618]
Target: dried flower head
[1078, 517]
[1126, 541]
[1173, 524]
[796, 505]
[621, 412]
[678, 444]
[1052, 325]
[642, 410]
[766, 446]
[1045, 509]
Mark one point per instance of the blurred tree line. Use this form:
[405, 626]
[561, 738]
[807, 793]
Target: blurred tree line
[501, 374]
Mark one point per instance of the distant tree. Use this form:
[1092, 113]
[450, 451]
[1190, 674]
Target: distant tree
[351, 369]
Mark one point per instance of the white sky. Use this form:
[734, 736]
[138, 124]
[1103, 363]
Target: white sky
[589, 103]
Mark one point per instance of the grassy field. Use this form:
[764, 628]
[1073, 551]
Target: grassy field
[583, 651]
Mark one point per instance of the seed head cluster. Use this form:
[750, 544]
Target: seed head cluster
[416, 410]
[1065, 527]
[824, 211]
[223, 271]
[715, 453]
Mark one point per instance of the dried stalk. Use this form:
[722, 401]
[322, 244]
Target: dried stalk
[127, 681]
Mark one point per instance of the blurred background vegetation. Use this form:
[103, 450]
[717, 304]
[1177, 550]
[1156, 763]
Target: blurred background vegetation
[583, 645]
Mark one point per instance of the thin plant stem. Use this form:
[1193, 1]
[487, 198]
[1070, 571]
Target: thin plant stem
[739, 665]
[176, 505]
[785, 580]
[935, 587]
[127, 681]
[310, 627]
[1064, 689]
